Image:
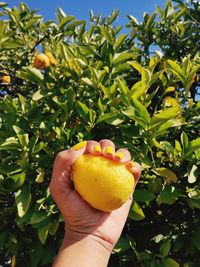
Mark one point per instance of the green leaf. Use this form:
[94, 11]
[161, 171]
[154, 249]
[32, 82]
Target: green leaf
[74, 24]
[17, 129]
[22, 101]
[38, 216]
[30, 23]
[122, 86]
[168, 90]
[141, 110]
[12, 44]
[165, 247]
[166, 125]
[23, 138]
[193, 145]
[169, 262]
[166, 173]
[163, 115]
[23, 199]
[194, 193]
[113, 17]
[111, 118]
[136, 66]
[10, 144]
[184, 142]
[194, 203]
[142, 195]
[32, 143]
[154, 78]
[82, 109]
[43, 232]
[107, 34]
[149, 24]
[135, 89]
[176, 69]
[169, 195]
[64, 21]
[38, 147]
[40, 177]
[87, 81]
[131, 113]
[38, 95]
[61, 13]
[53, 228]
[146, 76]
[121, 57]
[119, 42]
[31, 74]
[122, 245]
[18, 179]
[136, 213]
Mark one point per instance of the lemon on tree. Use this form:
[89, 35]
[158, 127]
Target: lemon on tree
[103, 183]
[5, 79]
[41, 62]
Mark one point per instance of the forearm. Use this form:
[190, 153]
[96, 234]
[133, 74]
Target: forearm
[84, 251]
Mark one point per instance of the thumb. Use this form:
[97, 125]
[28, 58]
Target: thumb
[60, 185]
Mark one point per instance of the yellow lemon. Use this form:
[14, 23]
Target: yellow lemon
[103, 183]
[41, 61]
[5, 79]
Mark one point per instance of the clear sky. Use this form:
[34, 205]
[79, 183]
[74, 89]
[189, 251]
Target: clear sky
[80, 9]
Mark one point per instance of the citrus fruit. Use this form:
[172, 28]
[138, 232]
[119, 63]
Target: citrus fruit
[103, 183]
[41, 61]
[51, 58]
[5, 79]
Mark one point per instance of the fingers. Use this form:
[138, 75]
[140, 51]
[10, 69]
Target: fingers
[108, 148]
[61, 175]
[93, 148]
[135, 168]
[122, 155]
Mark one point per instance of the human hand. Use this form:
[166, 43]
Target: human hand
[80, 218]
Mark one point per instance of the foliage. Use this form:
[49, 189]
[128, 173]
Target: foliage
[105, 84]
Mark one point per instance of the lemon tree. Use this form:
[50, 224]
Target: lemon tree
[137, 86]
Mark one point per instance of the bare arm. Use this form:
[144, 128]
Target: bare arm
[83, 251]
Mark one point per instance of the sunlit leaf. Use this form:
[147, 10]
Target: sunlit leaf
[136, 213]
[23, 199]
[168, 174]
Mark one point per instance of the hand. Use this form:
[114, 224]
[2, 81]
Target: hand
[80, 218]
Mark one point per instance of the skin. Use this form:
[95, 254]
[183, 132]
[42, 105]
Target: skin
[90, 234]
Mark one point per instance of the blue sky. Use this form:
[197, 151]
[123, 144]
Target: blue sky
[80, 9]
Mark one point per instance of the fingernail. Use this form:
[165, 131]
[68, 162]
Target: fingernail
[79, 145]
[97, 148]
[131, 164]
[109, 150]
[119, 155]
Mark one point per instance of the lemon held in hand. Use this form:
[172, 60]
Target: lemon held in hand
[103, 183]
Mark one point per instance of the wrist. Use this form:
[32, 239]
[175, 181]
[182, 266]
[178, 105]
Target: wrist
[83, 250]
[95, 241]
